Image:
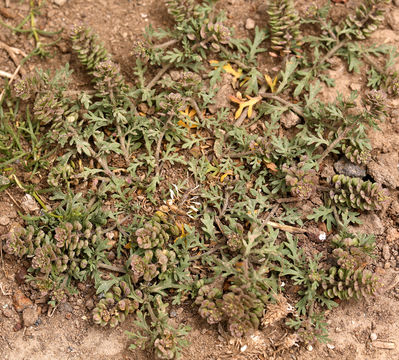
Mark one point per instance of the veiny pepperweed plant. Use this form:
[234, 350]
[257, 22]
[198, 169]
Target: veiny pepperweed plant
[159, 195]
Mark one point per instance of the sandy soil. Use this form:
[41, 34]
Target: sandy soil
[68, 332]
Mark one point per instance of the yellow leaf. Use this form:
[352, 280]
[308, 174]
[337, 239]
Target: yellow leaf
[229, 172]
[272, 167]
[187, 126]
[213, 62]
[243, 104]
[228, 68]
[271, 83]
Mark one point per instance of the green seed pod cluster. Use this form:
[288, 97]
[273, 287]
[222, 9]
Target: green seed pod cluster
[90, 50]
[376, 102]
[368, 16]
[347, 284]
[108, 80]
[115, 306]
[284, 24]
[153, 238]
[151, 264]
[151, 235]
[46, 94]
[65, 249]
[141, 51]
[20, 242]
[239, 307]
[173, 104]
[216, 33]
[181, 10]
[49, 108]
[27, 88]
[356, 193]
[49, 287]
[166, 345]
[392, 84]
[302, 182]
[352, 252]
[58, 173]
[345, 241]
[235, 235]
[355, 155]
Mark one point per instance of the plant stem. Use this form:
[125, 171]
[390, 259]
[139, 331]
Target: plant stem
[114, 268]
[336, 141]
[272, 96]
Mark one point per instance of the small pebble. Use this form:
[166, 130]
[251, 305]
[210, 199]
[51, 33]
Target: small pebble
[59, 2]
[244, 348]
[386, 254]
[4, 220]
[8, 313]
[30, 316]
[373, 336]
[17, 327]
[309, 348]
[20, 301]
[68, 316]
[250, 24]
[90, 304]
[330, 346]
[345, 167]
[289, 119]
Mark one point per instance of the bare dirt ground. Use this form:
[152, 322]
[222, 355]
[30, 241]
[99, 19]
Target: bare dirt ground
[358, 330]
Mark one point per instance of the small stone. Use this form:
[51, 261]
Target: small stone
[348, 168]
[355, 87]
[289, 119]
[243, 348]
[143, 108]
[262, 9]
[309, 348]
[20, 301]
[384, 345]
[17, 327]
[20, 276]
[30, 315]
[81, 286]
[90, 304]
[330, 346]
[386, 254]
[59, 2]
[373, 336]
[385, 169]
[65, 307]
[4, 220]
[175, 75]
[173, 313]
[68, 316]
[392, 235]
[250, 24]
[29, 204]
[8, 313]
[371, 224]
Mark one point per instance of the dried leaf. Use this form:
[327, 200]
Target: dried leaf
[272, 83]
[229, 172]
[243, 104]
